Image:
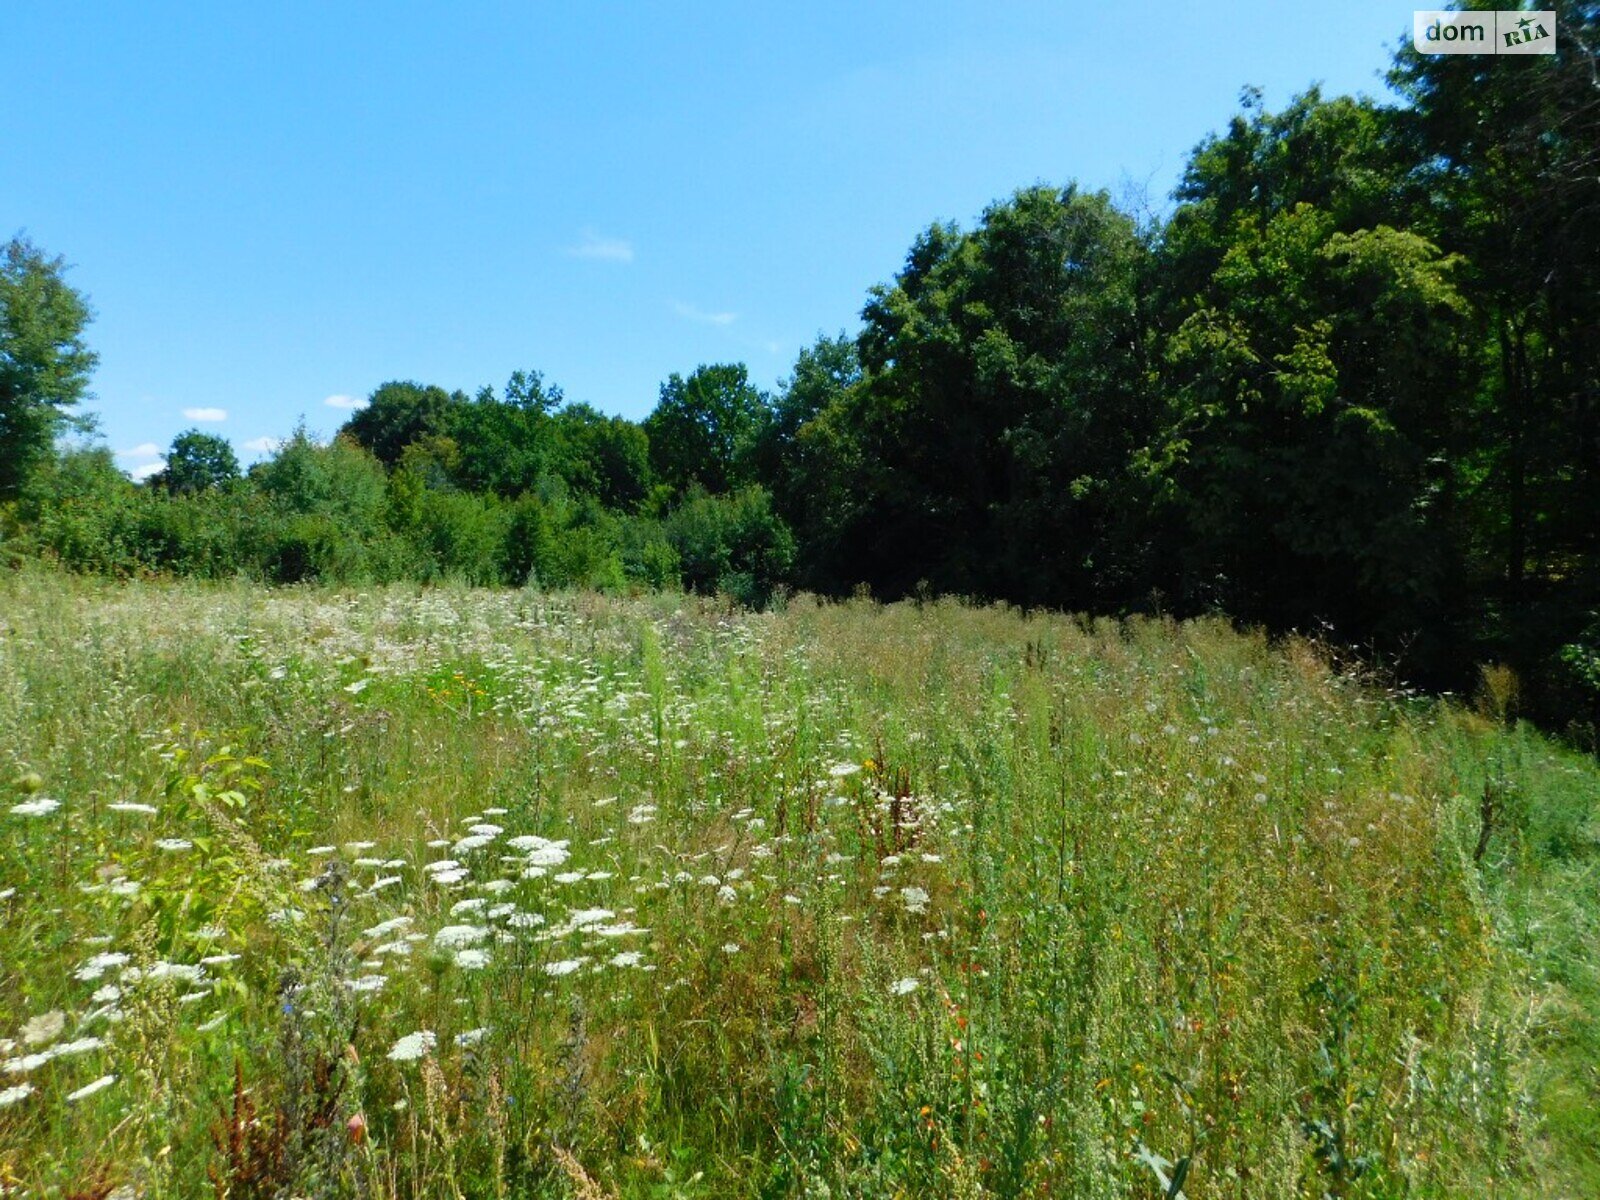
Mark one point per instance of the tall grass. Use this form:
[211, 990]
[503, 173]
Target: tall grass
[451, 893]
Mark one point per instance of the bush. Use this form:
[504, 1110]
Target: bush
[733, 544]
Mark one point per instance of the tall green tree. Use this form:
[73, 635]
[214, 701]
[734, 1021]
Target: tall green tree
[1508, 153]
[44, 363]
[397, 414]
[1004, 390]
[197, 461]
[706, 428]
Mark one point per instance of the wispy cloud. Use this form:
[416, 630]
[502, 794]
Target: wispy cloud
[690, 313]
[342, 401]
[261, 445]
[144, 470]
[142, 450]
[206, 414]
[600, 248]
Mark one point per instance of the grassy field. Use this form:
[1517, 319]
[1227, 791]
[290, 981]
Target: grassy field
[479, 894]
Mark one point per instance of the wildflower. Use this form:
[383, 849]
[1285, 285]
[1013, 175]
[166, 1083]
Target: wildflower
[26, 1062]
[726, 894]
[567, 877]
[41, 806]
[471, 1037]
[413, 1046]
[386, 927]
[642, 814]
[904, 987]
[174, 844]
[472, 960]
[44, 1028]
[89, 1089]
[452, 937]
[730, 947]
[841, 770]
[565, 966]
[11, 1095]
[915, 899]
[80, 1046]
[97, 966]
[129, 806]
[628, 958]
[367, 983]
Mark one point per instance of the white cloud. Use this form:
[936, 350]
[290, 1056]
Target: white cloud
[261, 445]
[142, 450]
[690, 313]
[206, 414]
[602, 249]
[342, 401]
[145, 470]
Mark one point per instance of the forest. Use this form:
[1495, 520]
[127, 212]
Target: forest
[1346, 383]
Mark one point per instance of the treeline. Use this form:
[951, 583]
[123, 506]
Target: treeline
[1351, 381]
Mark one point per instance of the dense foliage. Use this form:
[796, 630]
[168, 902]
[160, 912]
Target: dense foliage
[1350, 381]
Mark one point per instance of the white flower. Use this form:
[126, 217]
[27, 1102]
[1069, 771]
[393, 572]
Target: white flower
[367, 983]
[386, 927]
[467, 845]
[413, 1046]
[98, 966]
[11, 1095]
[541, 852]
[628, 958]
[81, 1046]
[174, 844]
[915, 899]
[567, 877]
[40, 806]
[359, 686]
[471, 1037]
[730, 947]
[44, 1028]
[128, 806]
[89, 1089]
[726, 894]
[840, 770]
[642, 814]
[27, 1062]
[565, 966]
[472, 960]
[453, 937]
[904, 987]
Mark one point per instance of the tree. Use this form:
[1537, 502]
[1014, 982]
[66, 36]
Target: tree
[44, 363]
[397, 414]
[706, 428]
[1003, 395]
[197, 462]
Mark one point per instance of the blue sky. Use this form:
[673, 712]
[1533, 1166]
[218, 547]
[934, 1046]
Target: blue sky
[270, 206]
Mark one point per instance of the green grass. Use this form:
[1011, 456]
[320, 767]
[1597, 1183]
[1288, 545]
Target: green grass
[845, 900]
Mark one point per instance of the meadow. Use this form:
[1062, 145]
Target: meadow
[408, 892]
